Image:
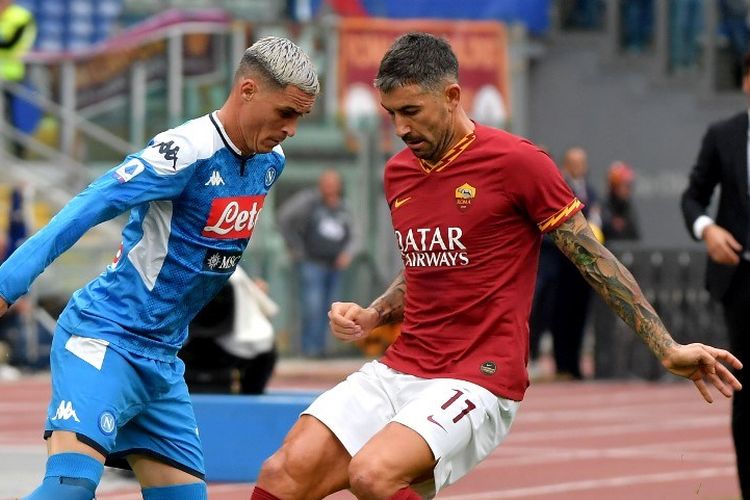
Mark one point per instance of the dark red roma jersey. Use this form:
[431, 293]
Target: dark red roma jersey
[469, 229]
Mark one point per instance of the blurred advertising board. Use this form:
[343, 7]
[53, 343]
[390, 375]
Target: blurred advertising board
[481, 48]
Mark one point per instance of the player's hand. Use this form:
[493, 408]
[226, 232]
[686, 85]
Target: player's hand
[721, 245]
[703, 363]
[350, 321]
[3, 306]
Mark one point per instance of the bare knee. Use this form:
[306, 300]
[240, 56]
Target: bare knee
[371, 479]
[280, 476]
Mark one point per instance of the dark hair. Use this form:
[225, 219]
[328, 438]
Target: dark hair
[417, 58]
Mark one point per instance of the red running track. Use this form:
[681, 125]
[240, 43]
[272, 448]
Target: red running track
[570, 441]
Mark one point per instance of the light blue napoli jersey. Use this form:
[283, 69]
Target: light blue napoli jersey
[193, 201]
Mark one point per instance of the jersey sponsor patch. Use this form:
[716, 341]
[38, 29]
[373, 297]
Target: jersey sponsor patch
[128, 171]
[234, 217]
[269, 177]
[221, 262]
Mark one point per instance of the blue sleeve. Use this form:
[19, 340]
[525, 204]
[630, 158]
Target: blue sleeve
[139, 179]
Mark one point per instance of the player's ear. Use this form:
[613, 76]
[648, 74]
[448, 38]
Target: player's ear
[453, 94]
[248, 89]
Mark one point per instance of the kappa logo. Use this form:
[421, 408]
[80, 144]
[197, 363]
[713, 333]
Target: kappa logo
[169, 151]
[65, 411]
[215, 179]
[401, 201]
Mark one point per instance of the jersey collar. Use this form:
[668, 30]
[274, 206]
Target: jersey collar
[448, 157]
[225, 137]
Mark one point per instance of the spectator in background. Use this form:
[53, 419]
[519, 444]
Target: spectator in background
[685, 18]
[319, 233]
[722, 163]
[13, 325]
[572, 293]
[637, 21]
[734, 20]
[231, 345]
[17, 34]
[619, 221]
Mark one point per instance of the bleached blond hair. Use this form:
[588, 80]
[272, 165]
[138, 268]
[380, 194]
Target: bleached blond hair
[281, 62]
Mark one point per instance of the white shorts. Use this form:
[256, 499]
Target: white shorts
[461, 422]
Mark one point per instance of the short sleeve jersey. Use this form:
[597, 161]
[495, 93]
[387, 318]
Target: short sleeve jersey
[193, 202]
[469, 230]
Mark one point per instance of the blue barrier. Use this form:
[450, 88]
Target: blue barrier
[239, 432]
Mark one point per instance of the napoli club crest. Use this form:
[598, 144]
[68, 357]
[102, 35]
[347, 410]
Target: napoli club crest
[269, 177]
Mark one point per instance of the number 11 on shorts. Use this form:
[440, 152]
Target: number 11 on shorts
[469, 405]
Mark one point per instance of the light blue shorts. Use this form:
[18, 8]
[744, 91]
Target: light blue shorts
[120, 403]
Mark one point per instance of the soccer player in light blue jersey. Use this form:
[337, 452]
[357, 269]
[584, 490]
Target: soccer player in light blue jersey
[194, 194]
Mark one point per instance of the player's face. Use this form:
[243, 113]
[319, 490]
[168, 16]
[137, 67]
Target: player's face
[423, 119]
[272, 115]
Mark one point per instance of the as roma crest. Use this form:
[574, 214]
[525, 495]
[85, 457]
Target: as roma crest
[465, 194]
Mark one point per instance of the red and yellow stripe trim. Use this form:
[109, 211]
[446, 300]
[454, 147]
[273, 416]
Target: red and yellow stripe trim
[561, 214]
[448, 157]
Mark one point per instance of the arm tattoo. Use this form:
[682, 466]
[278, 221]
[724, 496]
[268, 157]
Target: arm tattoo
[613, 282]
[390, 305]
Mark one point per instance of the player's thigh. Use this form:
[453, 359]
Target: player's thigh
[460, 422]
[94, 390]
[310, 459]
[68, 442]
[166, 432]
[152, 472]
[395, 455]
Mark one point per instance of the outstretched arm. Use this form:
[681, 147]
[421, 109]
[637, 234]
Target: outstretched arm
[350, 321]
[619, 289]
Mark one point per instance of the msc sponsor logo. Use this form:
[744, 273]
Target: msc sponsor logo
[221, 262]
[65, 411]
[432, 247]
[234, 217]
[107, 423]
[128, 171]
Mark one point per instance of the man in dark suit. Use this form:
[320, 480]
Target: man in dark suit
[723, 161]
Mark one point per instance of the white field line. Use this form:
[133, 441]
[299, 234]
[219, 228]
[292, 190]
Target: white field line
[594, 484]
[554, 396]
[619, 429]
[566, 455]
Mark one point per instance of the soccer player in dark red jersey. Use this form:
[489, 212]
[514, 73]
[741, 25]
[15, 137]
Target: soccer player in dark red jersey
[469, 205]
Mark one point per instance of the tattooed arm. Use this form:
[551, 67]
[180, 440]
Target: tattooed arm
[390, 305]
[619, 289]
[350, 321]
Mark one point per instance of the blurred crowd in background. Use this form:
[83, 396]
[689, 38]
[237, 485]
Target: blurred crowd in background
[101, 67]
